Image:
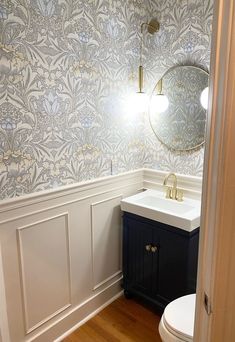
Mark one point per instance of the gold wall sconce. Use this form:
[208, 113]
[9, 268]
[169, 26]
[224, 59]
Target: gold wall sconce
[160, 100]
[142, 100]
[152, 27]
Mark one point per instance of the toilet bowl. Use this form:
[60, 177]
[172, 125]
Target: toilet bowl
[177, 322]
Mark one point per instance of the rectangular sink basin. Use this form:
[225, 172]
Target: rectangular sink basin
[152, 204]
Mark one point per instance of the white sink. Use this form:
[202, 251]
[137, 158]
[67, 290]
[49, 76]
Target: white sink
[152, 204]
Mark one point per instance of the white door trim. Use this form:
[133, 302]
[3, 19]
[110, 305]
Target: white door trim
[216, 274]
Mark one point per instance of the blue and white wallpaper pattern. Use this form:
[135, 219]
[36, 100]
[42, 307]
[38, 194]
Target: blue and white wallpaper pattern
[67, 71]
[184, 39]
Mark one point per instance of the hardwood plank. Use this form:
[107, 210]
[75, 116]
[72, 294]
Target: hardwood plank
[124, 320]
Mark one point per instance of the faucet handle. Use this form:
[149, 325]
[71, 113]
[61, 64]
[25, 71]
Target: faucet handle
[173, 193]
[179, 195]
[168, 192]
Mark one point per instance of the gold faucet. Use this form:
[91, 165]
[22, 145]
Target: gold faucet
[173, 192]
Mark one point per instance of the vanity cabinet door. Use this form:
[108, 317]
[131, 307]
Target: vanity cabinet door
[159, 261]
[172, 265]
[137, 258]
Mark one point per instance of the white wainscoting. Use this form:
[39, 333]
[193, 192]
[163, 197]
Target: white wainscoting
[44, 262]
[60, 254]
[106, 240]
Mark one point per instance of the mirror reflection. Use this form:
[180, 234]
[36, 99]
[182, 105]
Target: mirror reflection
[178, 107]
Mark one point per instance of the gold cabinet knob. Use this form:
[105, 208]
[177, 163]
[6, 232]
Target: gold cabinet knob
[153, 249]
[148, 248]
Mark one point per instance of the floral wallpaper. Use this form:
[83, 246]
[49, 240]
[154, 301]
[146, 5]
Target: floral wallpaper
[67, 72]
[184, 39]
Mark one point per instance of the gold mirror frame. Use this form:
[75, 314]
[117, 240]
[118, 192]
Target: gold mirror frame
[197, 146]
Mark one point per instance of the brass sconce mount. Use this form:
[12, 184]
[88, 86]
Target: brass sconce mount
[152, 27]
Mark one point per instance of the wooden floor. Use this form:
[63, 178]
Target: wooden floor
[124, 320]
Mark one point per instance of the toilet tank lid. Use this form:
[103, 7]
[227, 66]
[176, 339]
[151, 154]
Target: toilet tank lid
[179, 315]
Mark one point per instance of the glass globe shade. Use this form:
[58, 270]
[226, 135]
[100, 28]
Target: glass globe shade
[204, 98]
[138, 103]
[159, 103]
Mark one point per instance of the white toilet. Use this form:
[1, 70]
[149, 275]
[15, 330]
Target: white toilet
[177, 322]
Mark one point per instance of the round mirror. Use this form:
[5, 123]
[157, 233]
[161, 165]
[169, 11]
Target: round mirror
[178, 105]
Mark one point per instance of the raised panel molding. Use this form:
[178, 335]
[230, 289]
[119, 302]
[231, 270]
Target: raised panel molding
[44, 259]
[106, 240]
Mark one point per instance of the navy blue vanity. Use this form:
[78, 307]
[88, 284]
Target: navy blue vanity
[159, 260]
